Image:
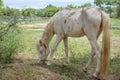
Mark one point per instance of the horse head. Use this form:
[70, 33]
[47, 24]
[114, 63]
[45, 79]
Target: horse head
[43, 51]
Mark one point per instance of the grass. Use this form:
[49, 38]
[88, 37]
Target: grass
[25, 67]
[115, 21]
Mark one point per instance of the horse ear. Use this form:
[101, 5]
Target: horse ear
[44, 45]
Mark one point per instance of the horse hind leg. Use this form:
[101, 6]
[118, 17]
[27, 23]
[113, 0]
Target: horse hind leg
[92, 54]
[66, 50]
[92, 37]
[97, 50]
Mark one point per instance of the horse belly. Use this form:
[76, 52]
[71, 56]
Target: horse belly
[75, 32]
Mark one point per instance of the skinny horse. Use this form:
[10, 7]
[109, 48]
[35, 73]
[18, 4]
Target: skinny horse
[89, 22]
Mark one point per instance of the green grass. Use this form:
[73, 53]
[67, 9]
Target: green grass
[116, 33]
[79, 49]
[115, 21]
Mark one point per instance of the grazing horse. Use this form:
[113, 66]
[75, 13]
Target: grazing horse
[89, 22]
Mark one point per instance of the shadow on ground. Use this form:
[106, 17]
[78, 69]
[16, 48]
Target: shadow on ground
[30, 69]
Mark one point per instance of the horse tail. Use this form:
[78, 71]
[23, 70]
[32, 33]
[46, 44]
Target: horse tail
[106, 25]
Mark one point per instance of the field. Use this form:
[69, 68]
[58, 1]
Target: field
[26, 67]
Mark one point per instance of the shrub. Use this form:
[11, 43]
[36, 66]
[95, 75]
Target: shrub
[10, 40]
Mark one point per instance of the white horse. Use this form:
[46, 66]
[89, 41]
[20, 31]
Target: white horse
[76, 23]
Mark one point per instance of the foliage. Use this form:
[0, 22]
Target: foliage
[86, 5]
[29, 12]
[110, 6]
[11, 12]
[50, 10]
[10, 40]
[118, 7]
[1, 7]
[40, 13]
[98, 2]
[71, 6]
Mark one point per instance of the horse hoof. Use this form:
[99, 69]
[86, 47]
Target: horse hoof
[99, 78]
[95, 78]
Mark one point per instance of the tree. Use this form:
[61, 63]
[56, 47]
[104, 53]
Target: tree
[71, 6]
[39, 12]
[102, 3]
[12, 12]
[29, 12]
[98, 3]
[109, 6]
[117, 4]
[48, 11]
[50, 5]
[1, 6]
[86, 5]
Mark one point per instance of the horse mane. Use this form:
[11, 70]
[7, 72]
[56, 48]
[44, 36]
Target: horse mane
[48, 32]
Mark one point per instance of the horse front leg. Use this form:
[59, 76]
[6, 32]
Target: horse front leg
[66, 50]
[57, 41]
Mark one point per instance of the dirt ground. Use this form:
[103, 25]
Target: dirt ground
[27, 68]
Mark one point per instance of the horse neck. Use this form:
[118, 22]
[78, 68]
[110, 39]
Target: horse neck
[48, 34]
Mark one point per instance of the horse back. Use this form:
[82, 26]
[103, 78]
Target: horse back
[71, 22]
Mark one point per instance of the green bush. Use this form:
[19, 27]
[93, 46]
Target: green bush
[10, 40]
